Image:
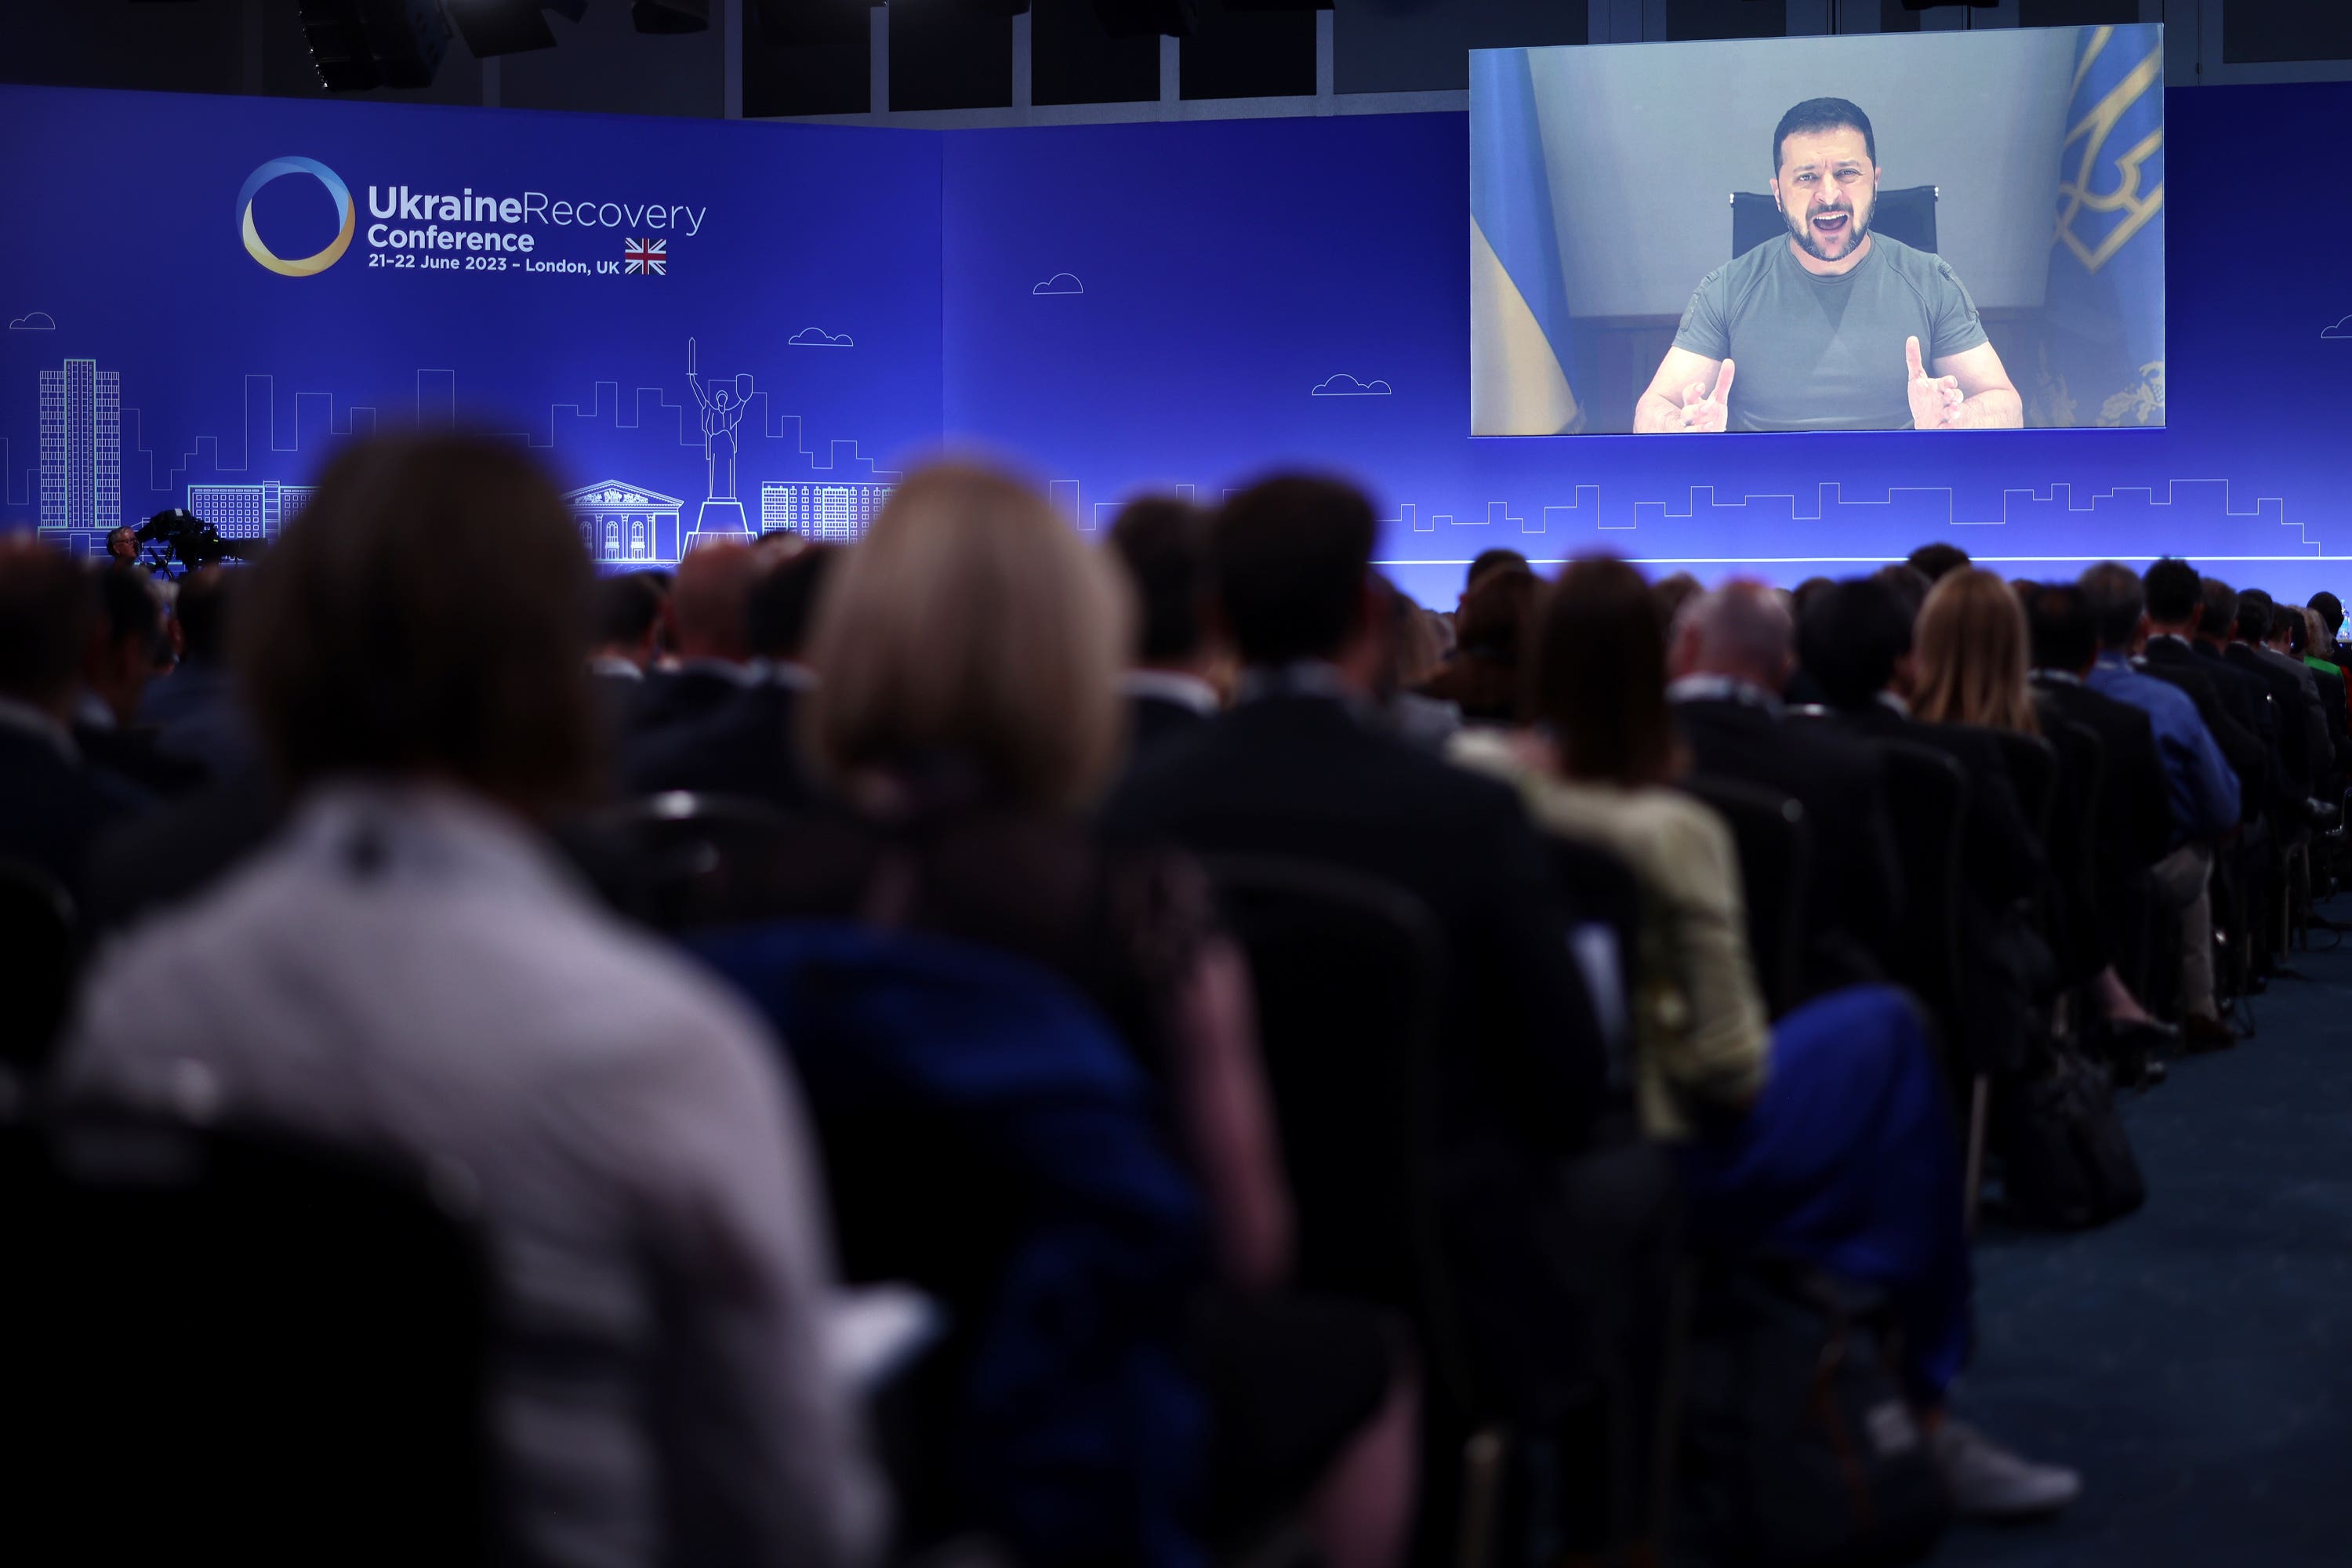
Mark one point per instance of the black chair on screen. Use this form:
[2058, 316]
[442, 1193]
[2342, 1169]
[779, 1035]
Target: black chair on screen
[40, 932]
[1907, 213]
[234, 1348]
[1774, 843]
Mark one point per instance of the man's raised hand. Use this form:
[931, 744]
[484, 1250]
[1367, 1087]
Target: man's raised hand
[1934, 398]
[1708, 411]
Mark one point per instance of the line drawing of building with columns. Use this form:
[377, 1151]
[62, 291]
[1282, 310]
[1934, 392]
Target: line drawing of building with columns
[81, 453]
[624, 524]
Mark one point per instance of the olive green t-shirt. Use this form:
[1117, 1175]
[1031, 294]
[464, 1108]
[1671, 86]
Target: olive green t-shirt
[1826, 353]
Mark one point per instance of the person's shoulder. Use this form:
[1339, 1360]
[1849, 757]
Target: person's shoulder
[1924, 270]
[1746, 267]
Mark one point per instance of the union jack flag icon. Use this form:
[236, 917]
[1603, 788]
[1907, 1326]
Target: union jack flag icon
[647, 256]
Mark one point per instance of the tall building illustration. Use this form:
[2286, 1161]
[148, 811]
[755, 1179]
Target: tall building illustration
[81, 448]
[834, 513]
[248, 511]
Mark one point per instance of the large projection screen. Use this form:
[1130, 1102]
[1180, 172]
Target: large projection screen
[1649, 254]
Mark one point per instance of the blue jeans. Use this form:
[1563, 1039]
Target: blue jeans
[1847, 1161]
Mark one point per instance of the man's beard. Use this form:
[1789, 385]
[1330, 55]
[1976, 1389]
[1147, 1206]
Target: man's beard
[1857, 230]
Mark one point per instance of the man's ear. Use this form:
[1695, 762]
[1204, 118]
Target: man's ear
[1775, 184]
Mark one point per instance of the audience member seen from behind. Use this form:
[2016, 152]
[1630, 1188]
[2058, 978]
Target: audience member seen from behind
[408, 970]
[706, 621]
[1934, 561]
[1485, 564]
[2203, 790]
[1482, 678]
[1824, 1137]
[1414, 652]
[1296, 770]
[748, 744]
[126, 643]
[968, 714]
[195, 711]
[52, 807]
[1170, 683]
[1731, 653]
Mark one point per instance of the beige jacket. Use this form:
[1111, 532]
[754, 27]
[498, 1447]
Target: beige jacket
[1699, 1026]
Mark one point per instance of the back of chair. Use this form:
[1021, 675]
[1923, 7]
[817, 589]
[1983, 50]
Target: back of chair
[39, 932]
[2073, 835]
[2033, 769]
[1907, 213]
[1350, 974]
[1927, 803]
[235, 1347]
[679, 860]
[1598, 888]
[1775, 860]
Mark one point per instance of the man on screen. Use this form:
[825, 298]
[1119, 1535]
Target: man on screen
[1834, 328]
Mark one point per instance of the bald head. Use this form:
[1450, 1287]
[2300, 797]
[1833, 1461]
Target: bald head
[1741, 631]
[709, 604]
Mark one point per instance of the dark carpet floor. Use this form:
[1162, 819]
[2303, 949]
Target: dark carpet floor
[2195, 1360]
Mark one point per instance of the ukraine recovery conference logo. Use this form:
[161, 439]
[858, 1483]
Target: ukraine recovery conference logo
[309, 265]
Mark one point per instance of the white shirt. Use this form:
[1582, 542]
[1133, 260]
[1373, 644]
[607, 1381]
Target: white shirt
[408, 971]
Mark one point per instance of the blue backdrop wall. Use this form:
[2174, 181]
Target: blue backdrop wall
[1113, 307]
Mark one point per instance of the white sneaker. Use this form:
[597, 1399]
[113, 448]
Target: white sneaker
[1987, 1481]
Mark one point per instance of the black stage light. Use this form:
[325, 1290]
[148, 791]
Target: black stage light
[501, 27]
[1141, 19]
[671, 15]
[356, 44]
[1939, 4]
[1278, 4]
[804, 23]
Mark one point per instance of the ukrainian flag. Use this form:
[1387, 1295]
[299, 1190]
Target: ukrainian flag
[2102, 353]
[1519, 343]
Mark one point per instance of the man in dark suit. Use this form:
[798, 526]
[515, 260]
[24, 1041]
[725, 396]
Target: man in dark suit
[2304, 744]
[627, 609]
[1163, 544]
[705, 620]
[126, 642]
[195, 711]
[1293, 770]
[52, 806]
[1731, 655]
[2129, 624]
[749, 743]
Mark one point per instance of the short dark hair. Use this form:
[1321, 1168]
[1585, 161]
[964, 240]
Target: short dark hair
[1822, 114]
[126, 602]
[45, 610]
[2117, 600]
[2221, 602]
[624, 607]
[1288, 557]
[2331, 610]
[1850, 637]
[1494, 560]
[369, 645]
[1595, 670]
[1163, 543]
[2173, 590]
[203, 610]
[1934, 561]
[2064, 627]
[782, 604]
[2255, 609]
[1910, 584]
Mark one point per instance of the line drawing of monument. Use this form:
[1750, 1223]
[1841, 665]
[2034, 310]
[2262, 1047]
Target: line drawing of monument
[720, 515]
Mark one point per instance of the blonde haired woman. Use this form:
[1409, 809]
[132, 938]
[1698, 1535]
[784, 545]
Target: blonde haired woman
[1972, 656]
[967, 714]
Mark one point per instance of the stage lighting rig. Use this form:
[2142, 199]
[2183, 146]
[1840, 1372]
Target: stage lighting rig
[356, 44]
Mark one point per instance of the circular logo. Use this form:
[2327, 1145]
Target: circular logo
[307, 265]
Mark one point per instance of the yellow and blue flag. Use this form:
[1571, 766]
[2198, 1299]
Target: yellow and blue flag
[1520, 347]
[2102, 350]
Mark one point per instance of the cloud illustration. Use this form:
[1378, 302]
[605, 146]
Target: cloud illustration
[1059, 283]
[34, 322]
[1341, 384]
[818, 338]
[2342, 329]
